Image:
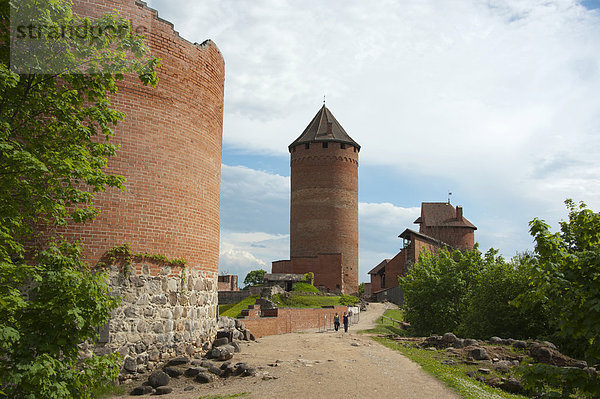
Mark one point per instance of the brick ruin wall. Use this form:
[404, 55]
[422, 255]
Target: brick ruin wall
[287, 320]
[324, 206]
[170, 154]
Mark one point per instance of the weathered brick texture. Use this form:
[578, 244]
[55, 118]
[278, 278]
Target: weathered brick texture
[324, 207]
[170, 150]
[457, 237]
[287, 320]
[170, 153]
[327, 268]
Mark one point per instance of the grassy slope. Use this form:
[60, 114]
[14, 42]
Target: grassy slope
[236, 310]
[300, 299]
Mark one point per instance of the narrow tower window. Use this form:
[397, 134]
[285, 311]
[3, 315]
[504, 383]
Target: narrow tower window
[342, 146]
[307, 146]
[325, 145]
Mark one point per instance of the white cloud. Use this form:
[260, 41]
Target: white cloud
[242, 252]
[253, 184]
[484, 91]
[497, 98]
[379, 227]
[387, 214]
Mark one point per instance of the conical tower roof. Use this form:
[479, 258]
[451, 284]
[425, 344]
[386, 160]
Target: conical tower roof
[324, 127]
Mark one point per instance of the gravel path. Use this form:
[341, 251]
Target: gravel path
[324, 365]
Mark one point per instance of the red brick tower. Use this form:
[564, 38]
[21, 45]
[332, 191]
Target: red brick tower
[324, 200]
[442, 221]
[170, 153]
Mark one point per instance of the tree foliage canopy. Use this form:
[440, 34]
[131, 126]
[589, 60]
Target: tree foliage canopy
[437, 288]
[255, 277]
[567, 275]
[55, 130]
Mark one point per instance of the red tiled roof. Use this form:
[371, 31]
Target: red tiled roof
[435, 214]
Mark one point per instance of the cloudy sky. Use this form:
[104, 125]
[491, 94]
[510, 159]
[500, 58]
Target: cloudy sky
[495, 101]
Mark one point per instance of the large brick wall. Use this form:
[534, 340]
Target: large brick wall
[324, 206]
[462, 238]
[287, 320]
[170, 153]
[171, 142]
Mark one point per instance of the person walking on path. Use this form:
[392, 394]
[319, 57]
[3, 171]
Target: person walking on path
[336, 322]
[345, 322]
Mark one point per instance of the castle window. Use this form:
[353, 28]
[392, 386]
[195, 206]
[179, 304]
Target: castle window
[307, 146]
[343, 146]
[354, 149]
[325, 145]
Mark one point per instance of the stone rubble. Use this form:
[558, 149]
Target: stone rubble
[215, 364]
[493, 355]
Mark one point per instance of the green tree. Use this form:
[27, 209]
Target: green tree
[361, 289]
[255, 277]
[567, 275]
[437, 288]
[491, 307]
[55, 128]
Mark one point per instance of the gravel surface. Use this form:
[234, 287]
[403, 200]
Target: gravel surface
[322, 365]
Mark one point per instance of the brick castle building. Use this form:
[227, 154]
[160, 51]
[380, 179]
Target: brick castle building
[440, 226]
[324, 205]
[170, 153]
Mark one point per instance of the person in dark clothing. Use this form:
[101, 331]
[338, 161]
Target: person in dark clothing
[336, 322]
[345, 322]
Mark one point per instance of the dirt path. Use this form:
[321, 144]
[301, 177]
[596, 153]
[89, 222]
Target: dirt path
[324, 365]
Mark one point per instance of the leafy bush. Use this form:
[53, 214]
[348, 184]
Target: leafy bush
[46, 311]
[436, 290]
[348, 300]
[305, 287]
[567, 276]
[491, 307]
[545, 380]
[54, 146]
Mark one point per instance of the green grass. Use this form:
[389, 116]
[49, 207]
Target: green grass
[236, 310]
[108, 391]
[386, 326]
[224, 308]
[297, 299]
[305, 287]
[453, 376]
[302, 300]
[395, 314]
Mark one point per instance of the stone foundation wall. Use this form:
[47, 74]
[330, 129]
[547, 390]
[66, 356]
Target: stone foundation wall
[166, 311]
